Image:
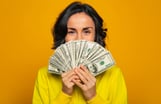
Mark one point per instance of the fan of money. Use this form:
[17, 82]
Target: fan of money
[80, 52]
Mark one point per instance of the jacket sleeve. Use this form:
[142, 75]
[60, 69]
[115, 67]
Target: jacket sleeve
[41, 92]
[98, 100]
[118, 93]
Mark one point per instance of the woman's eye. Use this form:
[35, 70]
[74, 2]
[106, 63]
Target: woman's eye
[87, 32]
[71, 32]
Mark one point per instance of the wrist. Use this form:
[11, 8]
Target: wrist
[90, 96]
[67, 91]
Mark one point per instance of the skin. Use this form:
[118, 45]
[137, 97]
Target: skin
[80, 27]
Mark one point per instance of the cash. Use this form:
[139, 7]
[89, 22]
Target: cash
[80, 52]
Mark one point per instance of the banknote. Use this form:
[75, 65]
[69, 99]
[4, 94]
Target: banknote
[72, 54]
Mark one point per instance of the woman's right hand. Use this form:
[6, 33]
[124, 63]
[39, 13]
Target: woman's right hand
[68, 84]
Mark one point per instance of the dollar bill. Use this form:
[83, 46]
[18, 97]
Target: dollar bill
[80, 52]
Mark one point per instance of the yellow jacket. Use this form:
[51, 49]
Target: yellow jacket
[110, 87]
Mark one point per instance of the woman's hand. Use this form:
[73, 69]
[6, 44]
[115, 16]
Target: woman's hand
[87, 83]
[67, 80]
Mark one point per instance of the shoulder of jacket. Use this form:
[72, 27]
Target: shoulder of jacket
[43, 70]
[114, 69]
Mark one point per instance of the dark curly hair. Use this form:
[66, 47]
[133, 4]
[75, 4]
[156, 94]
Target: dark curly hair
[60, 28]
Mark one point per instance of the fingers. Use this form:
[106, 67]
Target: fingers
[88, 82]
[67, 86]
[67, 78]
[84, 74]
[87, 79]
[80, 84]
[88, 73]
[67, 74]
[81, 77]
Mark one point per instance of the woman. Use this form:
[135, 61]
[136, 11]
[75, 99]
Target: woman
[78, 86]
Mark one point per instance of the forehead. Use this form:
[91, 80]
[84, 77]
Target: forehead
[80, 20]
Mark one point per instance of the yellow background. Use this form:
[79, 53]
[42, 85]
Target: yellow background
[134, 40]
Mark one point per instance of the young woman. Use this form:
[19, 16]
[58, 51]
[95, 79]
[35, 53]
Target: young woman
[79, 21]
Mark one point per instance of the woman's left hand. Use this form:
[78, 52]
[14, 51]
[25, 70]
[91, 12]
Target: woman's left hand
[87, 83]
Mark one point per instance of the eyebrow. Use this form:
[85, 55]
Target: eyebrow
[85, 28]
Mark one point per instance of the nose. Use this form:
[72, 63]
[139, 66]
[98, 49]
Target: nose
[79, 36]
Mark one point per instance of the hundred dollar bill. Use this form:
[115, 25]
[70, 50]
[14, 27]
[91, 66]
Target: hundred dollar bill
[81, 52]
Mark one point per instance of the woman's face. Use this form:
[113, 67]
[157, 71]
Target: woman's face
[80, 26]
